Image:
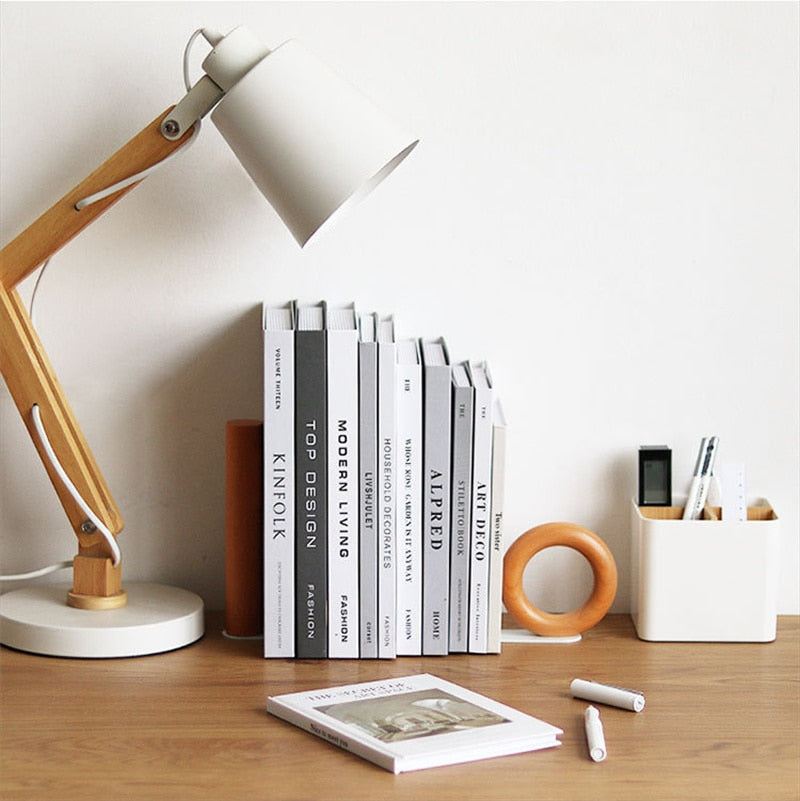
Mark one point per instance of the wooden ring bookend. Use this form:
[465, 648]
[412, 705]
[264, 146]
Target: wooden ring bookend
[566, 624]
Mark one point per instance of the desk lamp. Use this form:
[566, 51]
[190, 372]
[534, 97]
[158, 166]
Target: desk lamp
[313, 145]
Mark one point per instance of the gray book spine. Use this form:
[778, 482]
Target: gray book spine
[368, 486]
[437, 421]
[461, 513]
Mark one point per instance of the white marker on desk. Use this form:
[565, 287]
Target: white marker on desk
[632, 700]
[595, 738]
[703, 469]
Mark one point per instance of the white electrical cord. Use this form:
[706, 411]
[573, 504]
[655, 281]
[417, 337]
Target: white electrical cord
[32, 306]
[42, 571]
[126, 182]
[76, 496]
[37, 418]
[139, 176]
[187, 81]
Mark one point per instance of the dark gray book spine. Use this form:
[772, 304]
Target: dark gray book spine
[311, 576]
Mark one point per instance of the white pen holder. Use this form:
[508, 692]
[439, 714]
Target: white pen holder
[706, 580]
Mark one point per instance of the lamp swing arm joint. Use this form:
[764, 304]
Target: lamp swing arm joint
[232, 57]
[194, 105]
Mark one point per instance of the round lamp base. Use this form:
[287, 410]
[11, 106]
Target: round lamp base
[157, 618]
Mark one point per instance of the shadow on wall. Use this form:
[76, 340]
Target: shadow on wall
[174, 500]
[559, 579]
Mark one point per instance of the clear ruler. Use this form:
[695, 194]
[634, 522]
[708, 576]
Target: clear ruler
[734, 497]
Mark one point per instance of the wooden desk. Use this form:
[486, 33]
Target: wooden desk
[722, 721]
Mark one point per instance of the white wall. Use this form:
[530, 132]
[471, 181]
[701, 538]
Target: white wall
[604, 205]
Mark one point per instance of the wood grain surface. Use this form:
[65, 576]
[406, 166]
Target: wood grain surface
[722, 721]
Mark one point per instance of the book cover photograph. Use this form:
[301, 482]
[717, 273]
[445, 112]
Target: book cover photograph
[414, 722]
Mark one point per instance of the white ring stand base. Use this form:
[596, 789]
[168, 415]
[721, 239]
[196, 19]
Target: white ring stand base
[523, 635]
[157, 618]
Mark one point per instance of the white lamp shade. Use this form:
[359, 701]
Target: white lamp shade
[309, 140]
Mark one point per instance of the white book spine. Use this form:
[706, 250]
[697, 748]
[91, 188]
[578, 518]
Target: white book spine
[279, 637]
[409, 503]
[481, 508]
[496, 518]
[342, 373]
[387, 492]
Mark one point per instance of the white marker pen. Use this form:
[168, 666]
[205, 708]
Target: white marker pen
[703, 470]
[595, 738]
[607, 694]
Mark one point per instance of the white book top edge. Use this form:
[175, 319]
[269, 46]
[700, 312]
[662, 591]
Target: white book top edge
[407, 351]
[341, 318]
[279, 318]
[461, 376]
[385, 330]
[367, 327]
[310, 318]
[434, 353]
[480, 376]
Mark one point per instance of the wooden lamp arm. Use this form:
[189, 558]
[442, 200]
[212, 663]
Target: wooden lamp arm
[29, 375]
[40, 240]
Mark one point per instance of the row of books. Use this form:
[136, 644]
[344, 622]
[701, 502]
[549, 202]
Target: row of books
[383, 493]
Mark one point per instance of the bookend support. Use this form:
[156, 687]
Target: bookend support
[547, 626]
[529, 638]
[31, 380]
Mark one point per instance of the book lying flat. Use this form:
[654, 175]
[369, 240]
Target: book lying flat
[414, 722]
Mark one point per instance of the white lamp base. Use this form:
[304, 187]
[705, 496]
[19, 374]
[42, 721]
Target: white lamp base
[157, 618]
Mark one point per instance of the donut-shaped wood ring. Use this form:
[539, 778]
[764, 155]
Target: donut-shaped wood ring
[564, 624]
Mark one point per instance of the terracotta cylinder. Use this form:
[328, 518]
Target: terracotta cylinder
[244, 528]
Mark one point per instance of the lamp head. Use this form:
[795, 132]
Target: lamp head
[311, 142]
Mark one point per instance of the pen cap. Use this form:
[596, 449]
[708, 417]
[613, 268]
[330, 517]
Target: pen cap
[608, 694]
